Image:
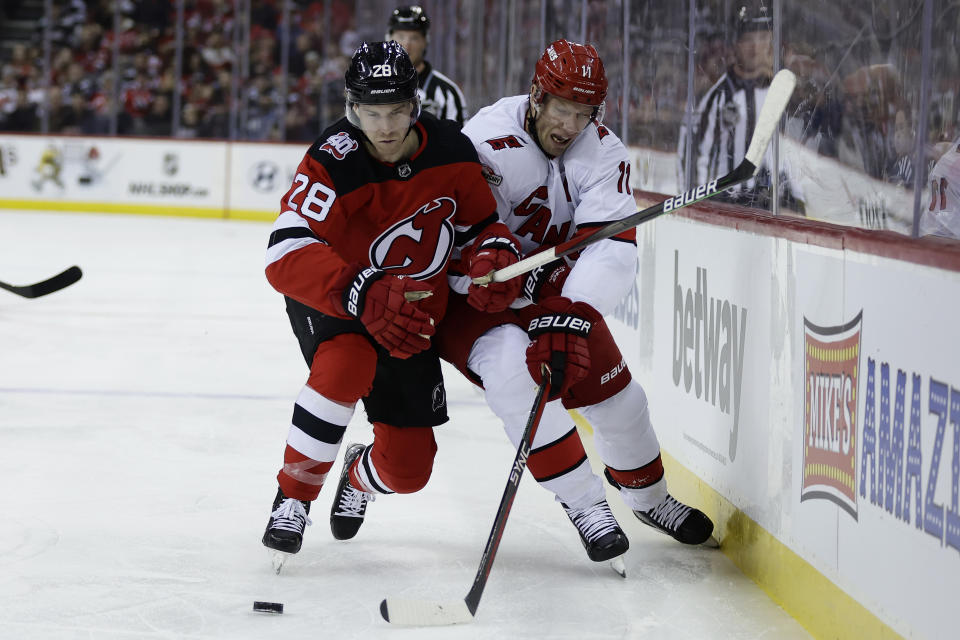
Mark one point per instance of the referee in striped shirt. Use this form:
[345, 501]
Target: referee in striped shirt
[439, 95]
[727, 115]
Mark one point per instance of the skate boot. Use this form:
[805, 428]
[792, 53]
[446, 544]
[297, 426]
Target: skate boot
[349, 503]
[287, 522]
[684, 524]
[284, 534]
[679, 521]
[599, 532]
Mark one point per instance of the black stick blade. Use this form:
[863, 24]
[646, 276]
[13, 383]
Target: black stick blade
[48, 286]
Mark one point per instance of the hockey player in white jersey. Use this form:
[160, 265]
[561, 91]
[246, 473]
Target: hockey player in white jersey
[942, 215]
[557, 172]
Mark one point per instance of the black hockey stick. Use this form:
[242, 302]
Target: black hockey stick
[767, 122]
[403, 611]
[50, 285]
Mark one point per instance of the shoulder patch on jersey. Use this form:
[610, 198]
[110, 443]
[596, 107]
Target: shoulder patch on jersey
[602, 131]
[339, 145]
[505, 142]
[490, 175]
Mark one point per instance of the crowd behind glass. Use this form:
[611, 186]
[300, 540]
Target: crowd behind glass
[262, 70]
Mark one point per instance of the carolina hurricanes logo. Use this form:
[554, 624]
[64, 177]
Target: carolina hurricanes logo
[417, 246]
[340, 145]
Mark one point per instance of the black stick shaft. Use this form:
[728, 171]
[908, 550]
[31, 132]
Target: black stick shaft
[509, 493]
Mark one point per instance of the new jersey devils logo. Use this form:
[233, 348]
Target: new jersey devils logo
[417, 246]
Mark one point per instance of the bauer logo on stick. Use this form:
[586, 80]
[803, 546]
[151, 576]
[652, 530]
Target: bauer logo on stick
[693, 195]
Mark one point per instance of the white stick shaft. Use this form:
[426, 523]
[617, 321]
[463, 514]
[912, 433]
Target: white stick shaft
[527, 264]
[769, 119]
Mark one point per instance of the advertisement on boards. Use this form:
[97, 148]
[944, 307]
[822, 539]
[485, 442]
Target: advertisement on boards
[709, 385]
[138, 172]
[877, 496]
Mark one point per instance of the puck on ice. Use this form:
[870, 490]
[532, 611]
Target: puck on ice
[268, 607]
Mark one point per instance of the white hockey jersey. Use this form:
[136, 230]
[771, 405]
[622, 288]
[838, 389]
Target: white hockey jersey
[545, 201]
[942, 214]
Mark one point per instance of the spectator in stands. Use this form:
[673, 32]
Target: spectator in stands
[58, 113]
[63, 20]
[78, 117]
[873, 100]
[8, 93]
[159, 119]
[76, 80]
[262, 112]
[216, 52]
[189, 121]
[215, 122]
[23, 118]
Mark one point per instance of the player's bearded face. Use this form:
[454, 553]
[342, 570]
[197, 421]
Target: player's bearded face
[559, 122]
[387, 126]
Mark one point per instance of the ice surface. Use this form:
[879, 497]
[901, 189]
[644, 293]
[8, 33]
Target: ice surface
[143, 413]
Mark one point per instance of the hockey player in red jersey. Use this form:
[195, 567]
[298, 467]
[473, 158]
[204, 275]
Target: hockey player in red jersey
[380, 204]
[557, 172]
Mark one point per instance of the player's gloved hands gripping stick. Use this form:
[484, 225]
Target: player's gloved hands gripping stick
[382, 302]
[545, 281]
[559, 341]
[493, 253]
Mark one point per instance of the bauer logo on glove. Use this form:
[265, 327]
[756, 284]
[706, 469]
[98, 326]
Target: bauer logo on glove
[560, 322]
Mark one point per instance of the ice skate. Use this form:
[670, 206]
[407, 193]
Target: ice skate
[679, 521]
[599, 532]
[284, 533]
[349, 503]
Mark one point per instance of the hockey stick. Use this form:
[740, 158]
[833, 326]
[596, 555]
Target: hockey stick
[404, 611]
[50, 285]
[767, 122]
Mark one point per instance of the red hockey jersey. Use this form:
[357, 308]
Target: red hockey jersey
[346, 208]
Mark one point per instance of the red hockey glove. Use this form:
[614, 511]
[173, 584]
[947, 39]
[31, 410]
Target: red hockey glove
[493, 253]
[545, 281]
[382, 302]
[559, 340]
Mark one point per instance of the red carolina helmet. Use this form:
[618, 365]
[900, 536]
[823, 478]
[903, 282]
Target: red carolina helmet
[572, 71]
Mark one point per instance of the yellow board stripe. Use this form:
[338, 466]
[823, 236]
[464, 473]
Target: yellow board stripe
[172, 209]
[811, 598]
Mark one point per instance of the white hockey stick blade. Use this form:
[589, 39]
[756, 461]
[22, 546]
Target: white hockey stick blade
[769, 119]
[424, 613]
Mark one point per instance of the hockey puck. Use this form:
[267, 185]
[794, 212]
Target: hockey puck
[268, 607]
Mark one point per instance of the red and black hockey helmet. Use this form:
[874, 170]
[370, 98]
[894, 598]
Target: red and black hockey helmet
[572, 71]
[411, 18]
